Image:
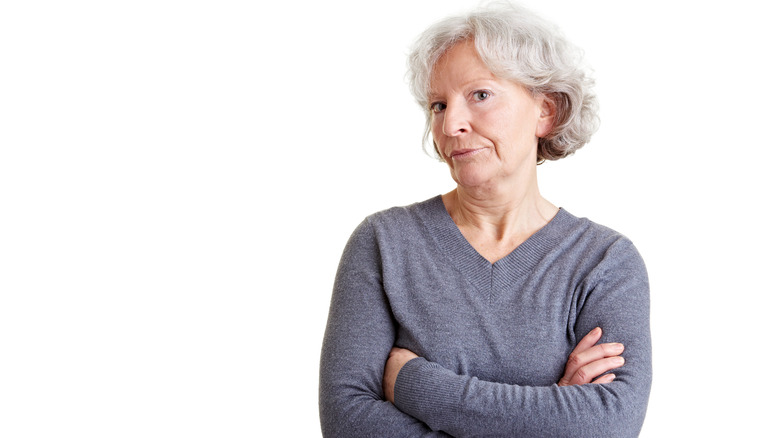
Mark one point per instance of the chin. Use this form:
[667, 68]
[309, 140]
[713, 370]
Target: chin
[470, 179]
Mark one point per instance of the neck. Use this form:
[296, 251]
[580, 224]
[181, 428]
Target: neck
[508, 213]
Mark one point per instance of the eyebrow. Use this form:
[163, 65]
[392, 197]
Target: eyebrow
[431, 95]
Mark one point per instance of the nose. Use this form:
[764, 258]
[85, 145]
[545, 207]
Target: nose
[456, 119]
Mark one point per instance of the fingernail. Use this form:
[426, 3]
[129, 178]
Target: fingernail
[596, 330]
[616, 347]
[610, 377]
[619, 361]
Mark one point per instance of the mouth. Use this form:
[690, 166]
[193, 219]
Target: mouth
[465, 153]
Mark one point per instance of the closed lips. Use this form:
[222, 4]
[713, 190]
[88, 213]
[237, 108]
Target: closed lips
[464, 152]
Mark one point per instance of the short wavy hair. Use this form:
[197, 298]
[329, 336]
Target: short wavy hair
[517, 45]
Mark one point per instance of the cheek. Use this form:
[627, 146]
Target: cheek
[520, 127]
[436, 135]
[435, 127]
[437, 147]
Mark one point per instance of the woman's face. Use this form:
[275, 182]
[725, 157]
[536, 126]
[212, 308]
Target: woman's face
[485, 128]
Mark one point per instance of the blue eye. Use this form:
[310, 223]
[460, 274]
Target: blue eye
[438, 107]
[481, 95]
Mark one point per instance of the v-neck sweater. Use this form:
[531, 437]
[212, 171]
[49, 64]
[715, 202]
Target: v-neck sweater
[493, 338]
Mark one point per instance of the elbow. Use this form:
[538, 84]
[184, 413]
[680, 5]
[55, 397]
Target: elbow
[334, 419]
[347, 411]
[629, 407]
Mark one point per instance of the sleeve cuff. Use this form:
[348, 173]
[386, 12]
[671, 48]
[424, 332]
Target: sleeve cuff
[428, 392]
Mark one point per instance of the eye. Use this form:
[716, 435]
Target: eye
[438, 107]
[481, 95]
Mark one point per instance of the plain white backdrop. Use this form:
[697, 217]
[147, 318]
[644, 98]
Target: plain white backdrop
[178, 179]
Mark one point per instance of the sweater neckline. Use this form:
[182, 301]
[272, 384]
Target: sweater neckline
[505, 271]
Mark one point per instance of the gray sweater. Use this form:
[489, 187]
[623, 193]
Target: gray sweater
[493, 338]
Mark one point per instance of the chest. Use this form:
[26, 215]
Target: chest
[494, 326]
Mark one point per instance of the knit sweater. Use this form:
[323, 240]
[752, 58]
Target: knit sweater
[493, 339]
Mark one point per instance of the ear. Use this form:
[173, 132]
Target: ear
[547, 115]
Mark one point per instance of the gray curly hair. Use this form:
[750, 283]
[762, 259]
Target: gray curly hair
[517, 45]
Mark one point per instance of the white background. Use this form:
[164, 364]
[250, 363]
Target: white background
[178, 179]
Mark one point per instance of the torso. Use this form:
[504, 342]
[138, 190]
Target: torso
[510, 321]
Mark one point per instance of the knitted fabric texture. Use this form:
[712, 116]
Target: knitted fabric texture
[493, 339]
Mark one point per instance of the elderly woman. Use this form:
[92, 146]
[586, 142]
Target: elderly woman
[489, 311]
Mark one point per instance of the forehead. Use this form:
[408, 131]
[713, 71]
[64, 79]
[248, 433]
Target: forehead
[460, 64]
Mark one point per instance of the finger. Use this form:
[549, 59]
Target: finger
[592, 354]
[587, 373]
[596, 352]
[604, 379]
[396, 359]
[588, 341]
[402, 354]
[585, 343]
[392, 367]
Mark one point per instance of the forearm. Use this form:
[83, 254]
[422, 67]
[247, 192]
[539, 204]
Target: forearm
[352, 403]
[360, 333]
[348, 410]
[615, 299]
[465, 406]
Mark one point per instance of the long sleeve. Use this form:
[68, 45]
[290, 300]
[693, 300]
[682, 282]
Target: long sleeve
[359, 335]
[613, 296]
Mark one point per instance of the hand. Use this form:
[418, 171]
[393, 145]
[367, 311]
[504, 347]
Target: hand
[589, 360]
[397, 359]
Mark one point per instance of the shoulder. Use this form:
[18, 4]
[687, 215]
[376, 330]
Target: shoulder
[402, 222]
[599, 246]
[404, 214]
[608, 270]
[593, 234]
